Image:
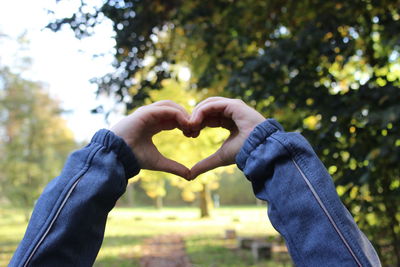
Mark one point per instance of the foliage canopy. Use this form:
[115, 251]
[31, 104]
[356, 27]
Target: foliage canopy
[330, 69]
[35, 141]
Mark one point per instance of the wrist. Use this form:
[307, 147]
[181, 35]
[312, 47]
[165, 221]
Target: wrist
[117, 144]
[257, 136]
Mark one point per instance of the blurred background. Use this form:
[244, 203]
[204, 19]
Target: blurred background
[327, 69]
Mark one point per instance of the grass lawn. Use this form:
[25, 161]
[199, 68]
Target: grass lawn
[128, 227]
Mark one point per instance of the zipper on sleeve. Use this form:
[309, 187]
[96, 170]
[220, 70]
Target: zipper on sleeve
[87, 165]
[52, 222]
[327, 213]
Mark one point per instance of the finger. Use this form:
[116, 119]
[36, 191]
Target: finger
[210, 163]
[171, 166]
[195, 132]
[185, 127]
[207, 122]
[212, 109]
[218, 121]
[168, 118]
[214, 122]
[171, 104]
[206, 101]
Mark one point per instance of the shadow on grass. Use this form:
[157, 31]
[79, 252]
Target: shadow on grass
[120, 261]
[117, 261]
[120, 250]
[7, 250]
[8, 247]
[122, 240]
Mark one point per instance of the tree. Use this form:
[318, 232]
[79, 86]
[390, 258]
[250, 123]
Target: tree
[329, 69]
[34, 142]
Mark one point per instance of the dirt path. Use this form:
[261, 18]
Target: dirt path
[164, 251]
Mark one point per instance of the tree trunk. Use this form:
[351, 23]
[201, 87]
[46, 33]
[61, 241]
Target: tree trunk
[26, 203]
[205, 202]
[129, 191]
[159, 202]
[27, 214]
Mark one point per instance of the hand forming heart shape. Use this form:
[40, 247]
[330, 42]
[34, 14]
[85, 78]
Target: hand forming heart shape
[234, 115]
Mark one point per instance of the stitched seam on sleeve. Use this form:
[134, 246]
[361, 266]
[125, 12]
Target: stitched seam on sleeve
[62, 204]
[320, 202]
[289, 239]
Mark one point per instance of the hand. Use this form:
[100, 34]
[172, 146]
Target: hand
[231, 114]
[138, 128]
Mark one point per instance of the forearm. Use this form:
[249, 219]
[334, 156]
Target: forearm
[303, 204]
[68, 221]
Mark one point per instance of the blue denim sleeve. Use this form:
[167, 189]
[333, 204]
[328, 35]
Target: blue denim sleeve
[302, 201]
[67, 224]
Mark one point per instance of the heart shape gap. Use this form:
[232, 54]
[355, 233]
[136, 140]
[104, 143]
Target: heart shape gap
[188, 151]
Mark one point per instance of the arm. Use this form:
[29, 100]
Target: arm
[303, 204]
[67, 225]
[284, 170]
[68, 221]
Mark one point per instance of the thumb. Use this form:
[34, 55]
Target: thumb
[171, 166]
[209, 163]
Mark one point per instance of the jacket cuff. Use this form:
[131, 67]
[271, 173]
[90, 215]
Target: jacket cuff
[256, 137]
[124, 153]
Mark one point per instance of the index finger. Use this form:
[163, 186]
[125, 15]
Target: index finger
[216, 109]
[167, 118]
[206, 101]
[169, 103]
[172, 104]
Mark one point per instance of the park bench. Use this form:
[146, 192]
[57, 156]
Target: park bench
[261, 249]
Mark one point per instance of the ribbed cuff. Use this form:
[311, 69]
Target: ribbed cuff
[124, 153]
[256, 137]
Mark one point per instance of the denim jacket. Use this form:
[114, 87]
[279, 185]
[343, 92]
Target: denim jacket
[67, 224]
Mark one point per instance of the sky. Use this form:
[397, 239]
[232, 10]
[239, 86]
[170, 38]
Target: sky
[59, 60]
